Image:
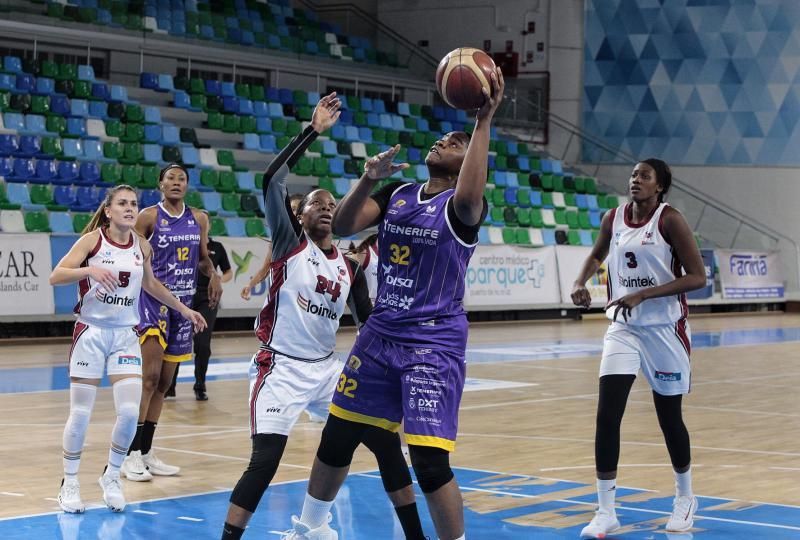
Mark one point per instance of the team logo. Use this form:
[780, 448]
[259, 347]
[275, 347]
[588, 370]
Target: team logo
[163, 310]
[320, 310]
[354, 363]
[242, 263]
[162, 241]
[405, 302]
[386, 268]
[400, 203]
[668, 376]
[164, 222]
[129, 360]
[137, 259]
[648, 239]
[171, 266]
[190, 221]
[412, 404]
[399, 281]
[430, 209]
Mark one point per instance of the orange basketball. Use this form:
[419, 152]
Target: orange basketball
[461, 75]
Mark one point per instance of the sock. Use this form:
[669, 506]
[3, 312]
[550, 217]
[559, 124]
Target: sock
[315, 512]
[81, 403]
[127, 394]
[683, 484]
[231, 532]
[409, 520]
[606, 493]
[148, 430]
[462, 537]
[136, 443]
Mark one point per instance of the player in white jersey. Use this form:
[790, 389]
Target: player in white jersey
[367, 254]
[653, 261]
[112, 265]
[310, 281]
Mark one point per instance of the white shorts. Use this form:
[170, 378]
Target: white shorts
[94, 349]
[661, 351]
[281, 388]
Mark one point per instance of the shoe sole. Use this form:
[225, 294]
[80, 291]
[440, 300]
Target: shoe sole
[603, 535]
[164, 474]
[137, 478]
[110, 506]
[69, 510]
[682, 530]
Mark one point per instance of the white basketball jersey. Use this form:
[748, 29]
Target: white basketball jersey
[640, 257]
[119, 308]
[307, 293]
[371, 272]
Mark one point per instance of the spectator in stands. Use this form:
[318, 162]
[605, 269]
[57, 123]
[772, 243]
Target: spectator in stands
[653, 261]
[367, 254]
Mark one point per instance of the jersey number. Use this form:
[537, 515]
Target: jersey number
[325, 285]
[346, 386]
[183, 253]
[400, 254]
[124, 279]
[632, 262]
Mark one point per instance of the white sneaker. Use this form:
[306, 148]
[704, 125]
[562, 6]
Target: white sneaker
[601, 525]
[112, 491]
[158, 467]
[301, 531]
[133, 468]
[69, 497]
[682, 518]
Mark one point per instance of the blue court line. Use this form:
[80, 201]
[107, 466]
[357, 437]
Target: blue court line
[43, 379]
[498, 506]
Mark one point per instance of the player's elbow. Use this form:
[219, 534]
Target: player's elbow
[698, 281]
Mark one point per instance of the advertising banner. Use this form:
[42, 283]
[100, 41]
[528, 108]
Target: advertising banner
[512, 276]
[708, 290]
[750, 274]
[65, 296]
[25, 266]
[570, 261]
[246, 256]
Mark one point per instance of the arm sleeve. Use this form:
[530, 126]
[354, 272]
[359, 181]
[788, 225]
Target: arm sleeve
[224, 263]
[358, 300]
[382, 196]
[282, 223]
[467, 233]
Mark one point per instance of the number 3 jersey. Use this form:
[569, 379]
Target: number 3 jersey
[422, 268]
[640, 257]
[307, 293]
[119, 308]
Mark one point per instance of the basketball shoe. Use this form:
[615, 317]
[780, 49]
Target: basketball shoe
[601, 525]
[69, 497]
[682, 518]
[158, 467]
[134, 469]
[112, 491]
[301, 531]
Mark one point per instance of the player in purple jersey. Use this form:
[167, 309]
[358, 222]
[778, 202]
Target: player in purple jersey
[178, 235]
[408, 362]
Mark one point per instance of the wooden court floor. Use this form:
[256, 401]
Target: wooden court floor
[743, 415]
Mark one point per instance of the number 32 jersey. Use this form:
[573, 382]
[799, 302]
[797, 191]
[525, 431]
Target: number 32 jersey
[640, 257]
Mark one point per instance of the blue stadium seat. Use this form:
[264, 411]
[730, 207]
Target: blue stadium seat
[8, 82]
[245, 107]
[23, 170]
[213, 87]
[483, 235]
[67, 170]
[25, 83]
[230, 104]
[549, 237]
[581, 201]
[73, 148]
[152, 153]
[285, 96]
[523, 163]
[148, 80]
[491, 162]
[6, 166]
[586, 238]
[89, 172]
[446, 127]
[118, 93]
[34, 123]
[18, 194]
[79, 107]
[275, 110]
[329, 148]
[267, 143]
[272, 94]
[152, 115]
[365, 134]
[546, 165]
[351, 133]
[251, 142]
[512, 148]
[510, 196]
[263, 125]
[336, 166]
[61, 223]
[246, 180]
[414, 155]
[403, 108]
[85, 73]
[165, 83]
[499, 178]
[190, 156]
[29, 146]
[9, 145]
[235, 226]
[438, 112]
[227, 89]
[152, 133]
[422, 172]
[260, 109]
[422, 124]
[86, 199]
[12, 64]
[98, 109]
[170, 135]
[64, 195]
[512, 180]
[181, 100]
[450, 115]
[386, 121]
[373, 120]
[536, 198]
[93, 150]
[76, 127]
[100, 91]
[341, 185]
[212, 201]
[45, 86]
[149, 197]
[591, 201]
[595, 219]
[397, 123]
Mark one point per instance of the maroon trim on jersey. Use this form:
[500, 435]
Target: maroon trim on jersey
[265, 361]
[120, 246]
[268, 315]
[301, 246]
[629, 209]
[661, 226]
[612, 216]
[350, 264]
[367, 256]
[77, 332]
[83, 284]
[333, 255]
[683, 336]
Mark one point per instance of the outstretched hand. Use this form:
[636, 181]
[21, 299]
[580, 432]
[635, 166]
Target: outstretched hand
[381, 166]
[326, 113]
[492, 102]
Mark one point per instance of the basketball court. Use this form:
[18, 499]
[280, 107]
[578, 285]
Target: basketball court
[524, 458]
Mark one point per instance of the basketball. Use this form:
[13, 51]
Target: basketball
[460, 76]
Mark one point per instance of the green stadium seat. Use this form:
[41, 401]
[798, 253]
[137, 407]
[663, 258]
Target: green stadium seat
[230, 123]
[194, 199]
[572, 219]
[111, 150]
[561, 216]
[80, 220]
[304, 166]
[132, 175]
[524, 217]
[227, 182]
[217, 227]
[536, 218]
[231, 202]
[37, 222]
[150, 174]
[209, 178]
[52, 146]
[523, 236]
[509, 235]
[111, 173]
[225, 158]
[574, 238]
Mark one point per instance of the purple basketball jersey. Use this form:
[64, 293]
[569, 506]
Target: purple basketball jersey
[176, 251]
[422, 266]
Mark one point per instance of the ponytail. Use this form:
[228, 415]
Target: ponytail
[99, 219]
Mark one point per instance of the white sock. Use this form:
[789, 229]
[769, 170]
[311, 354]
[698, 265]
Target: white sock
[683, 483]
[462, 537]
[315, 512]
[81, 403]
[606, 493]
[127, 395]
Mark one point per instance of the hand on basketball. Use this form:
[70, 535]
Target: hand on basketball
[580, 296]
[197, 319]
[106, 278]
[381, 166]
[214, 290]
[626, 304]
[491, 102]
[326, 113]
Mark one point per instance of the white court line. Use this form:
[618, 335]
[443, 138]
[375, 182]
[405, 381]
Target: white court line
[784, 468]
[187, 435]
[635, 443]
[626, 465]
[12, 494]
[233, 458]
[148, 512]
[187, 518]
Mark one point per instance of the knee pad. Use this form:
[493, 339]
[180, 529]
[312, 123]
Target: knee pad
[81, 403]
[432, 467]
[339, 441]
[391, 462]
[127, 395]
[264, 460]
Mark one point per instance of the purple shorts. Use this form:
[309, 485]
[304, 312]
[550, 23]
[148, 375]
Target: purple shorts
[173, 331]
[384, 382]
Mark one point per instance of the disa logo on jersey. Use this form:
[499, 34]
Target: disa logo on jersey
[320, 310]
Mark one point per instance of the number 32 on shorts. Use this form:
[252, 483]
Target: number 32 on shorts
[346, 386]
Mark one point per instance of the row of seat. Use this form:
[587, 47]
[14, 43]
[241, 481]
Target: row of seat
[536, 236]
